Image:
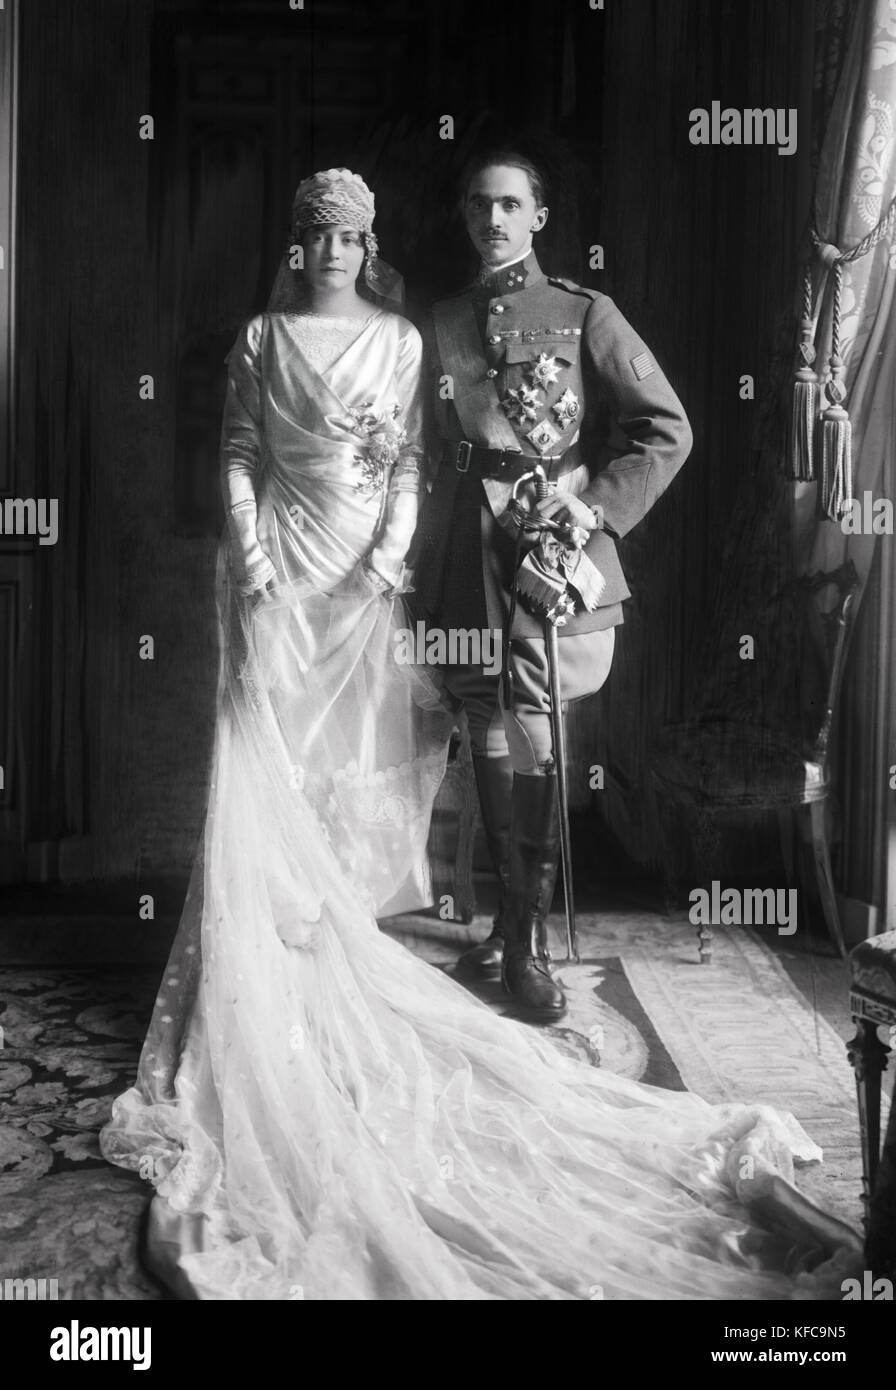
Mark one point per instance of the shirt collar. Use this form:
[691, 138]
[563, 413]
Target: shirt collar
[508, 279]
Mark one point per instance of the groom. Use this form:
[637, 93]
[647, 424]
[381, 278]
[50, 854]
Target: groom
[527, 369]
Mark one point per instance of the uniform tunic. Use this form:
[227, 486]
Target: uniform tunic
[568, 373]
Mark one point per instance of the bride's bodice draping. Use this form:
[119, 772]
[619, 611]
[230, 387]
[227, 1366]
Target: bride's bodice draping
[319, 451]
[322, 1114]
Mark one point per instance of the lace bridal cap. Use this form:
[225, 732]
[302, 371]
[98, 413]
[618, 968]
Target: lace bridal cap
[340, 198]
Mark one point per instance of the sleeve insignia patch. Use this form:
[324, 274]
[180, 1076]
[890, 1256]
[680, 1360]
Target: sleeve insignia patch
[642, 366]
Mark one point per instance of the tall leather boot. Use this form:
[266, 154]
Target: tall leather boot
[534, 858]
[494, 783]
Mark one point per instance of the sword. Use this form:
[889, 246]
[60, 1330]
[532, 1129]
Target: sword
[556, 604]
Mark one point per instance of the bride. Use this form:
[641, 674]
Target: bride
[322, 1114]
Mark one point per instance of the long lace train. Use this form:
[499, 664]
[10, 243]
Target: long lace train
[325, 1116]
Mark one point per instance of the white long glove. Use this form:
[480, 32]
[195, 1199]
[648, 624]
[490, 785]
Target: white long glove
[387, 557]
[240, 460]
[252, 567]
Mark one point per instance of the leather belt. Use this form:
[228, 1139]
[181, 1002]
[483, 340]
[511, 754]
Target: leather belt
[506, 464]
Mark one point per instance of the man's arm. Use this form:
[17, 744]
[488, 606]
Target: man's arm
[240, 460]
[651, 438]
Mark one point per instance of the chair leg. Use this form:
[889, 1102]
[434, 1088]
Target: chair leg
[881, 1244]
[824, 876]
[704, 944]
[868, 1057]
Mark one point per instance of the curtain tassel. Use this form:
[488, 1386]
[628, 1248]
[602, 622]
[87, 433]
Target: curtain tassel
[836, 462]
[805, 395]
[836, 442]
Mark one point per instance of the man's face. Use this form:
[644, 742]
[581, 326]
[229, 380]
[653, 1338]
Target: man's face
[333, 257]
[501, 213]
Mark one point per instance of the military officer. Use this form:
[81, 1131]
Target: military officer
[526, 368]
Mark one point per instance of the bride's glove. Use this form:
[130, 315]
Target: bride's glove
[253, 568]
[263, 595]
[385, 563]
[391, 585]
[240, 460]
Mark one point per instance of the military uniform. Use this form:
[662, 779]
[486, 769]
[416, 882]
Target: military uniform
[528, 368]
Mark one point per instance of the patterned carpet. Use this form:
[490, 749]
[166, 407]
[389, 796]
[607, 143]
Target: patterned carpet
[71, 1039]
[639, 1006]
[737, 1029]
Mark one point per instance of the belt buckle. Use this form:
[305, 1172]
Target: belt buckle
[465, 452]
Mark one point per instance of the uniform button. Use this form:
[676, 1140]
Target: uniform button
[498, 309]
[495, 338]
[491, 372]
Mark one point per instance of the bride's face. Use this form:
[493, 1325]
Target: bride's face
[333, 257]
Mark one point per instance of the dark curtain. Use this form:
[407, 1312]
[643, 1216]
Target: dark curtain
[145, 259]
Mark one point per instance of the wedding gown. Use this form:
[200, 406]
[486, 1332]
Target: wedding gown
[322, 1114]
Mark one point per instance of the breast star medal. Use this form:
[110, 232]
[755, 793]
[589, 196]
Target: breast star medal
[522, 404]
[566, 409]
[544, 436]
[545, 371]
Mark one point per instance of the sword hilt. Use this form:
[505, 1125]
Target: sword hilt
[527, 518]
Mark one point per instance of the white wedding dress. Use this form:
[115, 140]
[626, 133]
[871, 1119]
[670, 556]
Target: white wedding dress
[322, 1114]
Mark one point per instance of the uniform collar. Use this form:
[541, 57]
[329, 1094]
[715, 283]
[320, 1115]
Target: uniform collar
[521, 275]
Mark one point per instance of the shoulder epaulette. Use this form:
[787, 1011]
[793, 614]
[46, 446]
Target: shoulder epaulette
[571, 287]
